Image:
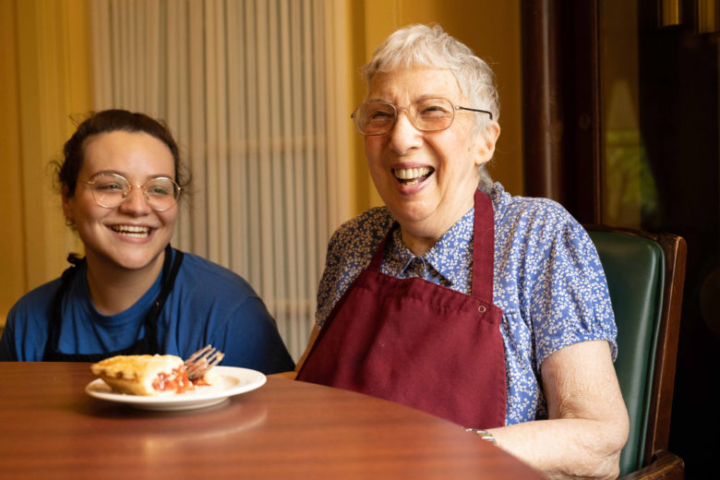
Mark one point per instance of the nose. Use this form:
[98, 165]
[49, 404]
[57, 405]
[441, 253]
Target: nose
[404, 136]
[135, 202]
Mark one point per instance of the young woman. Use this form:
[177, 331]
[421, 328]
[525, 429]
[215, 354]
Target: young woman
[133, 293]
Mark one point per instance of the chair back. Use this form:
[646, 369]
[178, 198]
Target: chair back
[645, 275]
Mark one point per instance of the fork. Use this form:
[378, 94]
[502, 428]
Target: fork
[201, 361]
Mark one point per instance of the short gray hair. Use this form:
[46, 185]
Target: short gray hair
[429, 46]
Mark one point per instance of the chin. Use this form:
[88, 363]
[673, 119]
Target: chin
[133, 261]
[409, 216]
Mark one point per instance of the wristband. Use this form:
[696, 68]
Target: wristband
[484, 434]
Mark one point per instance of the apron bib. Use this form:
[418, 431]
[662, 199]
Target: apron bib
[417, 343]
[145, 346]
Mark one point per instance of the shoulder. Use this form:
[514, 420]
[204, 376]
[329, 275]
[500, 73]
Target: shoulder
[37, 301]
[535, 222]
[208, 297]
[364, 228]
[533, 211]
[354, 242]
[26, 329]
[201, 279]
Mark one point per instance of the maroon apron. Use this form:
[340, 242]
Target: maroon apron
[417, 343]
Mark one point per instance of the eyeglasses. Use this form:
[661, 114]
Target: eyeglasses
[110, 190]
[378, 117]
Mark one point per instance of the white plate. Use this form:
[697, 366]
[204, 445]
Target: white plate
[230, 381]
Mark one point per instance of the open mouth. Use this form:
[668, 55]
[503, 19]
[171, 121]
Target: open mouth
[131, 230]
[412, 176]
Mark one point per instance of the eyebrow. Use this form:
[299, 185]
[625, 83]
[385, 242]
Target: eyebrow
[125, 176]
[424, 96]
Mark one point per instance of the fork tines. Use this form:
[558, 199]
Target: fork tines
[201, 361]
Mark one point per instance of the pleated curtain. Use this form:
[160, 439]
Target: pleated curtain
[253, 91]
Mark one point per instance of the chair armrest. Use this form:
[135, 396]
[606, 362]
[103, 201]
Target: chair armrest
[665, 466]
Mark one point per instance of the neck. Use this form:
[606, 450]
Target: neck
[114, 289]
[422, 236]
[418, 245]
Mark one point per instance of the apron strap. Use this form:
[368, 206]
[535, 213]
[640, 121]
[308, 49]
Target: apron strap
[483, 248]
[168, 282]
[380, 252]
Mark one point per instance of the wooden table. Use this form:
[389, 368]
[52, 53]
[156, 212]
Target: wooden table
[50, 428]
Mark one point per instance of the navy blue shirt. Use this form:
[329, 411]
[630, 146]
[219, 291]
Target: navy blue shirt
[208, 305]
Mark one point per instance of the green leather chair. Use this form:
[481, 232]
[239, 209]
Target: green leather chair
[645, 275]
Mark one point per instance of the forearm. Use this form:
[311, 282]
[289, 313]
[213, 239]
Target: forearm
[566, 448]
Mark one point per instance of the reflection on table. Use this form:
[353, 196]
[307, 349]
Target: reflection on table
[286, 429]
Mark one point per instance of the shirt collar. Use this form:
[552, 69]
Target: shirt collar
[450, 257]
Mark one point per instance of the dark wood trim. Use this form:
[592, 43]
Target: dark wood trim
[561, 104]
[666, 466]
[542, 100]
[582, 140]
[675, 249]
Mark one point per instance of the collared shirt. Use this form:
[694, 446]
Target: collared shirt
[548, 280]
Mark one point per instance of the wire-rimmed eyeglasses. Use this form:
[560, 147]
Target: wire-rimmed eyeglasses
[378, 117]
[111, 189]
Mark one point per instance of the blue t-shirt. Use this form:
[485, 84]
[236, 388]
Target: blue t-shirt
[548, 280]
[208, 305]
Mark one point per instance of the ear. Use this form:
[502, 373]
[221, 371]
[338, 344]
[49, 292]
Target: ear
[485, 143]
[67, 203]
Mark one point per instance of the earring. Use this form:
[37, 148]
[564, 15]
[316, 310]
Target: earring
[69, 222]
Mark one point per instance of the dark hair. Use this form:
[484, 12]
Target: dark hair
[111, 121]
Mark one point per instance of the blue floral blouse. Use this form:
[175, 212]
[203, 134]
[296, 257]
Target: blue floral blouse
[548, 281]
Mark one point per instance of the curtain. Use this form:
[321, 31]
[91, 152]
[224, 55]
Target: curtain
[253, 92]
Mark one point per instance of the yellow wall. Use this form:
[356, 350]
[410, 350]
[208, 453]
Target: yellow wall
[490, 28]
[44, 80]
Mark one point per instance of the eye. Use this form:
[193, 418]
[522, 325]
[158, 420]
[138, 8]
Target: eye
[158, 191]
[434, 111]
[108, 185]
[380, 115]
[160, 188]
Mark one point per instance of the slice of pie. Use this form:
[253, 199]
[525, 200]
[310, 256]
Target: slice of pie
[149, 375]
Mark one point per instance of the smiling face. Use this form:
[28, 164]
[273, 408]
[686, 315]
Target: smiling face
[131, 236]
[426, 179]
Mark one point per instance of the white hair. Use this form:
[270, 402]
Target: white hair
[429, 46]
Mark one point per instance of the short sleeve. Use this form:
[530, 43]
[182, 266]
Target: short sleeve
[569, 302]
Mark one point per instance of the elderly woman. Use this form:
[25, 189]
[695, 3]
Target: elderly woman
[457, 298]
[133, 293]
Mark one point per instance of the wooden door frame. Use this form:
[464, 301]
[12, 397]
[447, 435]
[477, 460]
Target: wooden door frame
[561, 98]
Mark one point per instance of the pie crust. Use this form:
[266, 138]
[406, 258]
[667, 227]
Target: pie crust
[149, 375]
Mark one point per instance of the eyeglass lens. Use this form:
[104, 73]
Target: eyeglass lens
[428, 115]
[110, 190]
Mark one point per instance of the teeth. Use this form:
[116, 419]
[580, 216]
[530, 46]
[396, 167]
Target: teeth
[411, 173]
[131, 230]
[412, 176]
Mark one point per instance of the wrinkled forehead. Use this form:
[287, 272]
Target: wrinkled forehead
[404, 85]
